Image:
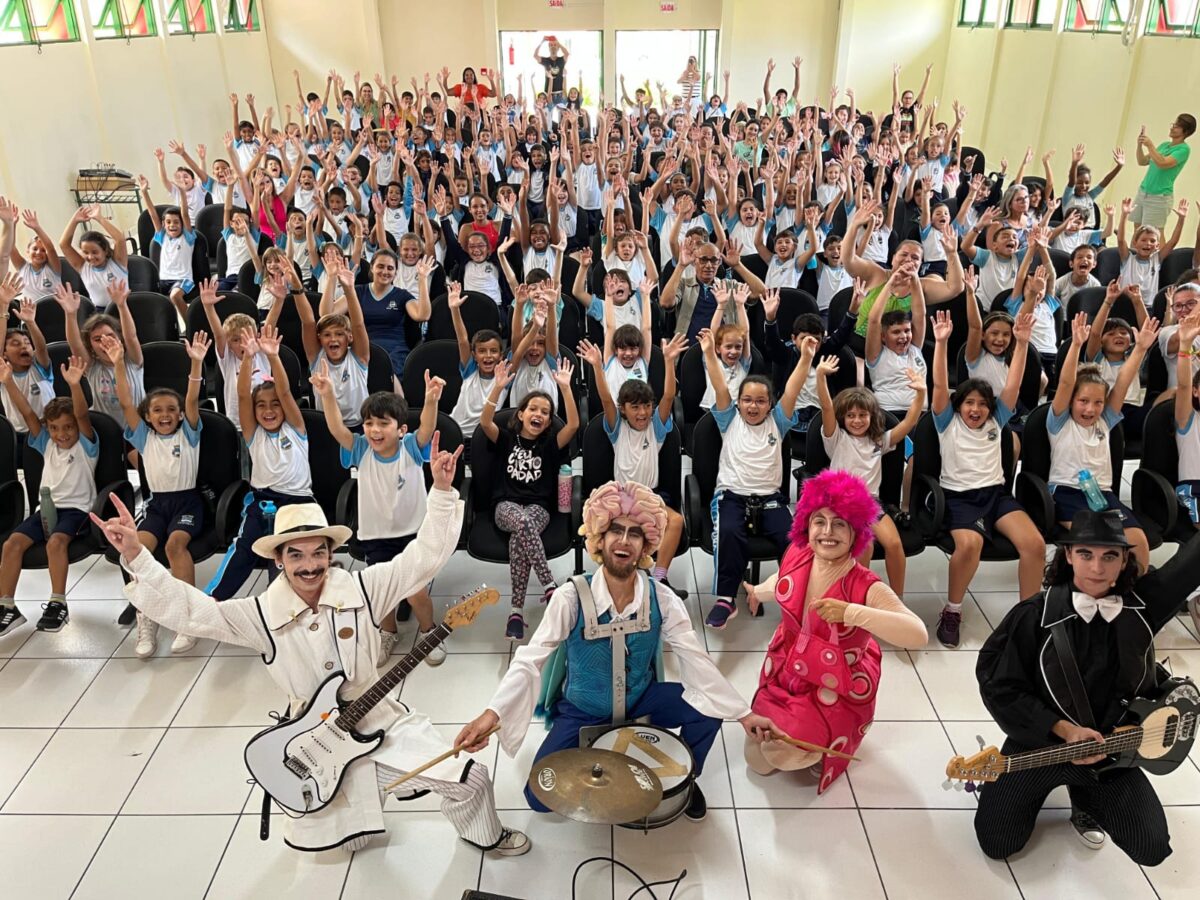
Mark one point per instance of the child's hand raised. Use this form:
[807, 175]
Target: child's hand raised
[916, 381]
[321, 381]
[197, 347]
[741, 294]
[1145, 336]
[503, 373]
[73, 369]
[1023, 328]
[10, 287]
[827, 366]
[425, 265]
[942, 325]
[674, 348]
[66, 297]
[593, 356]
[27, 312]
[114, 348]
[563, 374]
[1080, 329]
[971, 279]
[770, 302]
[208, 292]
[1189, 327]
[118, 292]
[442, 463]
[434, 386]
[1127, 206]
[707, 342]
[808, 348]
[269, 340]
[6, 371]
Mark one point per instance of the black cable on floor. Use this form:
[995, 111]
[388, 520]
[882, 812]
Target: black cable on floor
[646, 886]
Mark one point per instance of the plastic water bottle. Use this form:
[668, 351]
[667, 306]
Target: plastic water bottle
[268, 511]
[48, 510]
[564, 489]
[1091, 490]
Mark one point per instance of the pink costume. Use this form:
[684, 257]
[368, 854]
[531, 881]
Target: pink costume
[819, 680]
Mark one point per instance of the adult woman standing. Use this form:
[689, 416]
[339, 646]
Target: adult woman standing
[1156, 194]
[820, 678]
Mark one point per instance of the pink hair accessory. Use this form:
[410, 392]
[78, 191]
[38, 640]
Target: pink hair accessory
[849, 499]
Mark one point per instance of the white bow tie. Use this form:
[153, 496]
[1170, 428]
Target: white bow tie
[1086, 605]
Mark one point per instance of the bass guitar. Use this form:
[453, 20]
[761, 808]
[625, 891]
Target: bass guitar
[1166, 725]
[301, 762]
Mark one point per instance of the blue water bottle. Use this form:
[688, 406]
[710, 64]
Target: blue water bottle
[1091, 490]
[268, 511]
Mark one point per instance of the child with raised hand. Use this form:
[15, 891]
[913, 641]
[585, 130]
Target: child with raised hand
[1111, 343]
[626, 350]
[1070, 232]
[241, 242]
[183, 186]
[273, 428]
[988, 351]
[534, 358]
[732, 343]
[970, 425]
[893, 344]
[750, 472]
[229, 344]
[165, 430]
[89, 345]
[636, 430]
[176, 239]
[102, 258]
[1083, 262]
[391, 481]
[1082, 415]
[339, 342]
[1031, 296]
[39, 269]
[787, 263]
[1082, 195]
[618, 287]
[854, 432]
[530, 451]
[1187, 433]
[1142, 256]
[478, 356]
[69, 476]
[25, 352]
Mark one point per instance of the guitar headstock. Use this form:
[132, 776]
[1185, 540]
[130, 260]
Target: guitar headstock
[465, 610]
[986, 765]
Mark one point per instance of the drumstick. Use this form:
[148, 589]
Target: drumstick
[813, 748]
[454, 751]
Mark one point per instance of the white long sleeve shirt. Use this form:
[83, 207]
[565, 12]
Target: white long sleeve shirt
[704, 687]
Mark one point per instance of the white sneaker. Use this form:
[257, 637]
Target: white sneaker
[182, 643]
[437, 655]
[513, 843]
[147, 637]
[387, 640]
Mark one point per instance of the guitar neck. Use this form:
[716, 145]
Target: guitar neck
[353, 713]
[1121, 742]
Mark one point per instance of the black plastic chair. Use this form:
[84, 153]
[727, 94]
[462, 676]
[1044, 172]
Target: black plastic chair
[12, 497]
[73, 278]
[200, 265]
[143, 274]
[1108, 266]
[598, 463]
[210, 222]
[288, 323]
[1031, 381]
[1152, 490]
[657, 374]
[692, 384]
[325, 461]
[154, 315]
[145, 227]
[488, 543]
[441, 359]
[1062, 262]
[166, 364]
[60, 353]
[197, 320]
[479, 311]
[1089, 300]
[1177, 262]
[50, 319]
[839, 303]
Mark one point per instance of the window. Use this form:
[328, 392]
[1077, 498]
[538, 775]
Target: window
[37, 22]
[1178, 18]
[977, 14]
[190, 17]
[1030, 14]
[122, 18]
[242, 15]
[1107, 16]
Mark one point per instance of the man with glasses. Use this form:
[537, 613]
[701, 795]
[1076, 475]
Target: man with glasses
[610, 628]
[690, 288]
[1184, 300]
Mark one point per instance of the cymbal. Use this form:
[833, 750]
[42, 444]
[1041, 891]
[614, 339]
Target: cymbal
[596, 786]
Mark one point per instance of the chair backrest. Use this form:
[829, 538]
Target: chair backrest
[657, 374]
[441, 359]
[1031, 380]
[1108, 265]
[143, 273]
[485, 463]
[165, 364]
[706, 458]
[478, 311]
[1160, 452]
[60, 352]
[8, 451]
[220, 448]
[1177, 262]
[288, 323]
[154, 316]
[1062, 262]
[50, 319]
[73, 278]
[381, 376]
[210, 222]
[1035, 446]
[838, 304]
[598, 461]
[794, 302]
[1089, 300]
[324, 459]
[145, 228]
[891, 463]
[927, 452]
[297, 373]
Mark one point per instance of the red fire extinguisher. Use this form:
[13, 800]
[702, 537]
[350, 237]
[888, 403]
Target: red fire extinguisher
[512, 54]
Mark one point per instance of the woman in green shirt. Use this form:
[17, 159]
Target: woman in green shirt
[1156, 195]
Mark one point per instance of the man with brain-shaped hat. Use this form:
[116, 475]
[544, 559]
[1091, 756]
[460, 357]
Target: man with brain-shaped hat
[612, 625]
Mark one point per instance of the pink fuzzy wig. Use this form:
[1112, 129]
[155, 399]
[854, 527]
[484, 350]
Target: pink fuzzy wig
[615, 500]
[849, 499]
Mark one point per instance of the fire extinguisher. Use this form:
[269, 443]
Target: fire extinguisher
[512, 54]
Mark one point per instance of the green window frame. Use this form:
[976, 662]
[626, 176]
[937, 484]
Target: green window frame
[190, 17]
[127, 19]
[242, 15]
[37, 22]
[977, 14]
[1030, 14]
[1174, 18]
[1097, 16]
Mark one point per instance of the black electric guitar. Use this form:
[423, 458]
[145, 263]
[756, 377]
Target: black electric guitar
[1159, 742]
[300, 763]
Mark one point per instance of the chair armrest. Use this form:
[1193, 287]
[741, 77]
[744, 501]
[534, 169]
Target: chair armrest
[1152, 497]
[928, 506]
[345, 513]
[12, 498]
[230, 505]
[102, 506]
[693, 510]
[464, 491]
[1034, 495]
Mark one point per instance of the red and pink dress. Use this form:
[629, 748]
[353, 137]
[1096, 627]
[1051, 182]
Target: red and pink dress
[819, 680]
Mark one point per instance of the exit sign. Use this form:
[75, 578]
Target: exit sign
[667, 7]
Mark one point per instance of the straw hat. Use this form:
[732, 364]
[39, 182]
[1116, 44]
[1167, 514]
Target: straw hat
[300, 520]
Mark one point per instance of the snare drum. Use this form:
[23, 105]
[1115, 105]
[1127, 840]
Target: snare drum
[663, 753]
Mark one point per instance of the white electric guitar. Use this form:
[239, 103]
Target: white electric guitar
[300, 763]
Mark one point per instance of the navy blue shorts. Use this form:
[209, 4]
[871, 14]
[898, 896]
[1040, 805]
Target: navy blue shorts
[384, 549]
[170, 511]
[1069, 500]
[70, 522]
[979, 509]
[804, 416]
[938, 267]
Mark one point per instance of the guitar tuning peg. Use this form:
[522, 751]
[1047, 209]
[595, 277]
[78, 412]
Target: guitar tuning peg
[971, 787]
[982, 742]
[959, 786]
[947, 784]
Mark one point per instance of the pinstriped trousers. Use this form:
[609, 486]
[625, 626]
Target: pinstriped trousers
[1124, 803]
[470, 804]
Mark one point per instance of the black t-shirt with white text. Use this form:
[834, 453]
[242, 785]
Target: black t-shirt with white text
[528, 468]
[554, 66]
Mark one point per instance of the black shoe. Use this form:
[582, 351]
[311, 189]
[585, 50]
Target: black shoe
[697, 807]
[1091, 835]
[678, 592]
[128, 615]
[10, 618]
[403, 611]
[54, 616]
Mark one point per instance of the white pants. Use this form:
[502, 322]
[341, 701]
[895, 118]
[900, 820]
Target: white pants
[1152, 209]
[470, 804]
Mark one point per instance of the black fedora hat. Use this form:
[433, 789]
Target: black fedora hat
[1099, 529]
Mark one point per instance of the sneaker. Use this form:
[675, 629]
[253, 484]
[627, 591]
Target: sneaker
[549, 592]
[513, 843]
[720, 614]
[697, 807]
[147, 637]
[182, 643]
[437, 655]
[949, 623]
[128, 615]
[10, 617]
[1091, 835]
[516, 627]
[387, 642]
[1193, 606]
[678, 592]
[54, 617]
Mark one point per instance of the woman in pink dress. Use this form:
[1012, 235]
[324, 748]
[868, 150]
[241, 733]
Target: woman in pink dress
[820, 678]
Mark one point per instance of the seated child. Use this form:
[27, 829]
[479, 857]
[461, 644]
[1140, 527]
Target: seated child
[627, 306]
[1141, 257]
[88, 344]
[1070, 234]
[339, 340]
[1111, 343]
[229, 344]
[732, 342]
[241, 242]
[1083, 261]
[893, 344]
[102, 258]
[40, 269]
[534, 358]
[176, 239]
[70, 448]
[26, 354]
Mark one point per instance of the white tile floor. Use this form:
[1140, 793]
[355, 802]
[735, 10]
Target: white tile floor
[123, 778]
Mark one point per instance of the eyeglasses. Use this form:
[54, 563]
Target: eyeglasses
[626, 533]
[1183, 305]
[708, 260]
